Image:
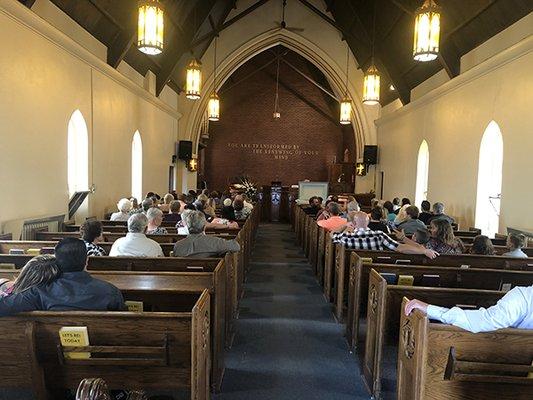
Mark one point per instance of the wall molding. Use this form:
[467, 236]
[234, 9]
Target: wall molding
[27, 18]
[497, 61]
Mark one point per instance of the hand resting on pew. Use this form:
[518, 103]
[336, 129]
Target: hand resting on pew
[514, 310]
[362, 238]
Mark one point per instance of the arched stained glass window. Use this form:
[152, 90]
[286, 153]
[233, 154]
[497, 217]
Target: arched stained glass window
[422, 173]
[77, 154]
[137, 166]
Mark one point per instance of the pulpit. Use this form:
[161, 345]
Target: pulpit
[275, 202]
[341, 177]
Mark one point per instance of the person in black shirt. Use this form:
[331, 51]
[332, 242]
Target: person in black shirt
[426, 214]
[75, 289]
[376, 224]
[315, 206]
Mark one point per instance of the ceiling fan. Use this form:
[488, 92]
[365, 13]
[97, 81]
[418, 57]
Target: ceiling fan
[283, 24]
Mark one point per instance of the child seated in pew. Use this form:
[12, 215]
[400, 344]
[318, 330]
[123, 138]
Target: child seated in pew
[515, 242]
[514, 310]
[74, 288]
[482, 245]
[40, 270]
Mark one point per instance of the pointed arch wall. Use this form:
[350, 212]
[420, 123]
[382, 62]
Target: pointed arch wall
[422, 173]
[334, 72]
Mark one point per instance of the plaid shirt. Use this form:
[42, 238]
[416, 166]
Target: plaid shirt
[365, 239]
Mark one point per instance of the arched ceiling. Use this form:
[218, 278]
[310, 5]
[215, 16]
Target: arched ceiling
[192, 24]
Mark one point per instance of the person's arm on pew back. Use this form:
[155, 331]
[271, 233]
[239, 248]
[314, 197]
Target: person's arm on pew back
[514, 310]
[19, 302]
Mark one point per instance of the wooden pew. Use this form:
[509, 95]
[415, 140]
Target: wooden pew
[112, 236]
[342, 263]
[320, 255]
[451, 276]
[439, 361]
[384, 311]
[171, 230]
[6, 245]
[150, 350]
[166, 290]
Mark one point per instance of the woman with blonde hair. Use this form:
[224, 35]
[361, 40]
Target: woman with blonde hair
[167, 199]
[40, 270]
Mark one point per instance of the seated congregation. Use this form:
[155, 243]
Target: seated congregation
[182, 291]
[416, 295]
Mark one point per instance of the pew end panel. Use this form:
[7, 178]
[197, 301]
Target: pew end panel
[412, 355]
[490, 365]
[375, 321]
[168, 351]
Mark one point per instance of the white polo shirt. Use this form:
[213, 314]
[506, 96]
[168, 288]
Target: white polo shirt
[136, 245]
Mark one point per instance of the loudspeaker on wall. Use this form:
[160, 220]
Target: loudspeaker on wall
[370, 156]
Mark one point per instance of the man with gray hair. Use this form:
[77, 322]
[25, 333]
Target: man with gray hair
[135, 243]
[438, 213]
[147, 204]
[197, 244]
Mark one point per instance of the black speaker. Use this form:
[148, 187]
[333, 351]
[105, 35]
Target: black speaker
[370, 156]
[185, 150]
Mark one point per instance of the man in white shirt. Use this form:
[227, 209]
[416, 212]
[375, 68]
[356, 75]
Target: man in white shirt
[135, 243]
[514, 310]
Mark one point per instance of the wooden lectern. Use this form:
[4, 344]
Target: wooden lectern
[341, 177]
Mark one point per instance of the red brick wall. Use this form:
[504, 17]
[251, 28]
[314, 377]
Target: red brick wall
[248, 141]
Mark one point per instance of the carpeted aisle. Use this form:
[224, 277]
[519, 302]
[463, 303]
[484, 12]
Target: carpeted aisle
[288, 345]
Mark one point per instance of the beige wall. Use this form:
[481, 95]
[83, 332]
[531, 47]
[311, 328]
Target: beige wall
[453, 118]
[44, 77]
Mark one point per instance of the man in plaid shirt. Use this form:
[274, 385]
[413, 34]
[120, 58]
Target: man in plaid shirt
[362, 238]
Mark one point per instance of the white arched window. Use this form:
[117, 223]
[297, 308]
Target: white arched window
[422, 173]
[78, 154]
[489, 180]
[137, 166]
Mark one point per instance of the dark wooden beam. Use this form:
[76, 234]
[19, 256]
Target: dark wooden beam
[386, 65]
[405, 8]
[116, 50]
[181, 43]
[249, 75]
[302, 98]
[450, 59]
[212, 34]
[27, 3]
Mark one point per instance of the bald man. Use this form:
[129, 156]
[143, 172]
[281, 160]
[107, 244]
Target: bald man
[360, 237]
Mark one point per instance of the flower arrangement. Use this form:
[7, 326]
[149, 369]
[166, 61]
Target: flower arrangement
[246, 186]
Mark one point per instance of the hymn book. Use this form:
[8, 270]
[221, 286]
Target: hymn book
[7, 266]
[33, 252]
[406, 280]
[16, 251]
[134, 306]
[389, 277]
[366, 260]
[74, 336]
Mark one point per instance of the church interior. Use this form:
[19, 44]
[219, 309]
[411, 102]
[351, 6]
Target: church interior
[278, 199]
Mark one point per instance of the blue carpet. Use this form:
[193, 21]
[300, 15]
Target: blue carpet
[287, 345]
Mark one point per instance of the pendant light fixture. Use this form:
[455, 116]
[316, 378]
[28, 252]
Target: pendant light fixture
[346, 103]
[150, 27]
[213, 107]
[277, 114]
[427, 32]
[371, 82]
[194, 80]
